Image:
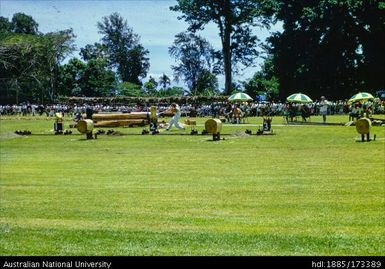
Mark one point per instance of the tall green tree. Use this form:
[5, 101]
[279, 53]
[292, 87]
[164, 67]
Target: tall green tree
[371, 23]
[164, 81]
[263, 81]
[125, 53]
[96, 79]
[57, 46]
[24, 24]
[129, 89]
[5, 25]
[29, 64]
[329, 47]
[150, 87]
[171, 91]
[29, 60]
[20, 58]
[89, 79]
[207, 84]
[195, 62]
[235, 19]
[94, 51]
[71, 78]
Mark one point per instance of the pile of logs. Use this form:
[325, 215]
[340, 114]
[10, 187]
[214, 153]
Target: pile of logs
[121, 119]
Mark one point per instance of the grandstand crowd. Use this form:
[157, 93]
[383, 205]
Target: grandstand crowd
[214, 109]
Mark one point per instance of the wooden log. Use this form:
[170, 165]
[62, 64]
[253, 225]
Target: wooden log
[85, 126]
[213, 126]
[190, 122]
[363, 126]
[120, 123]
[377, 119]
[121, 116]
[153, 111]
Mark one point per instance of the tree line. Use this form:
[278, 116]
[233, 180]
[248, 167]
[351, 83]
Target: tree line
[328, 47]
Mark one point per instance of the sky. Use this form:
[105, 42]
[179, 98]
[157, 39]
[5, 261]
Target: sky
[151, 20]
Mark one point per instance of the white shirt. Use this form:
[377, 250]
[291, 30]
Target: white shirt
[324, 106]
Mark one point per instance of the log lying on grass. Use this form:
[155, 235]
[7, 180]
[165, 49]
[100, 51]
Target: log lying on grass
[120, 116]
[190, 122]
[121, 119]
[121, 123]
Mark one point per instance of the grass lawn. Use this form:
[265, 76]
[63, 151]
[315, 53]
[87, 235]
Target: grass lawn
[308, 190]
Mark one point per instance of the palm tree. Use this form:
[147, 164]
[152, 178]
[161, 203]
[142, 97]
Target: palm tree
[164, 80]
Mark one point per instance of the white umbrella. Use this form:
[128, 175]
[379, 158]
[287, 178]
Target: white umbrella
[361, 96]
[299, 98]
[240, 96]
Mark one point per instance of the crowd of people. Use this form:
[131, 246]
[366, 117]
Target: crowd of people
[232, 112]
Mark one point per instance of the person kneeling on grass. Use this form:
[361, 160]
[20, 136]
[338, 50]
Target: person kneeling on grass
[175, 119]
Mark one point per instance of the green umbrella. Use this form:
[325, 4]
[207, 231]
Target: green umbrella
[240, 96]
[361, 96]
[299, 98]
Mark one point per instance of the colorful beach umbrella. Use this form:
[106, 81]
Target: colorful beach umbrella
[299, 98]
[361, 96]
[240, 96]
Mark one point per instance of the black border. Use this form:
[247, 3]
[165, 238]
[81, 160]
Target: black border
[117, 262]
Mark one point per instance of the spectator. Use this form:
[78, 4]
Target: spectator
[354, 113]
[324, 104]
[305, 112]
[237, 114]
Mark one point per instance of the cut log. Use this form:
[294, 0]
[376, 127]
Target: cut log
[121, 116]
[85, 126]
[190, 122]
[119, 123]
[363, 126]
[213, 126]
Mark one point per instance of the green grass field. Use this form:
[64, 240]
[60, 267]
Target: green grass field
[308, 190]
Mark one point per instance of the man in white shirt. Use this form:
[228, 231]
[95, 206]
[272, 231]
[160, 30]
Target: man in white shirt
[175, 119]
[323, 108]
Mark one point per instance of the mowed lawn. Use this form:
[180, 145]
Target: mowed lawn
[308, 190]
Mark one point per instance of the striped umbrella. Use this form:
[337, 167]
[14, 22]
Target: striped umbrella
[299, 98]
[361, 96]
[240, 96]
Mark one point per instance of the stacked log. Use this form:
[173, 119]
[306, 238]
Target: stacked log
[121, 119]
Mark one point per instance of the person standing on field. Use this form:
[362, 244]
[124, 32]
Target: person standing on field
[324, 104]
[175, 119]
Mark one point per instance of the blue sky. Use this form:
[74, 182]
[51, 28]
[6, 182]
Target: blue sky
[151, 20]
